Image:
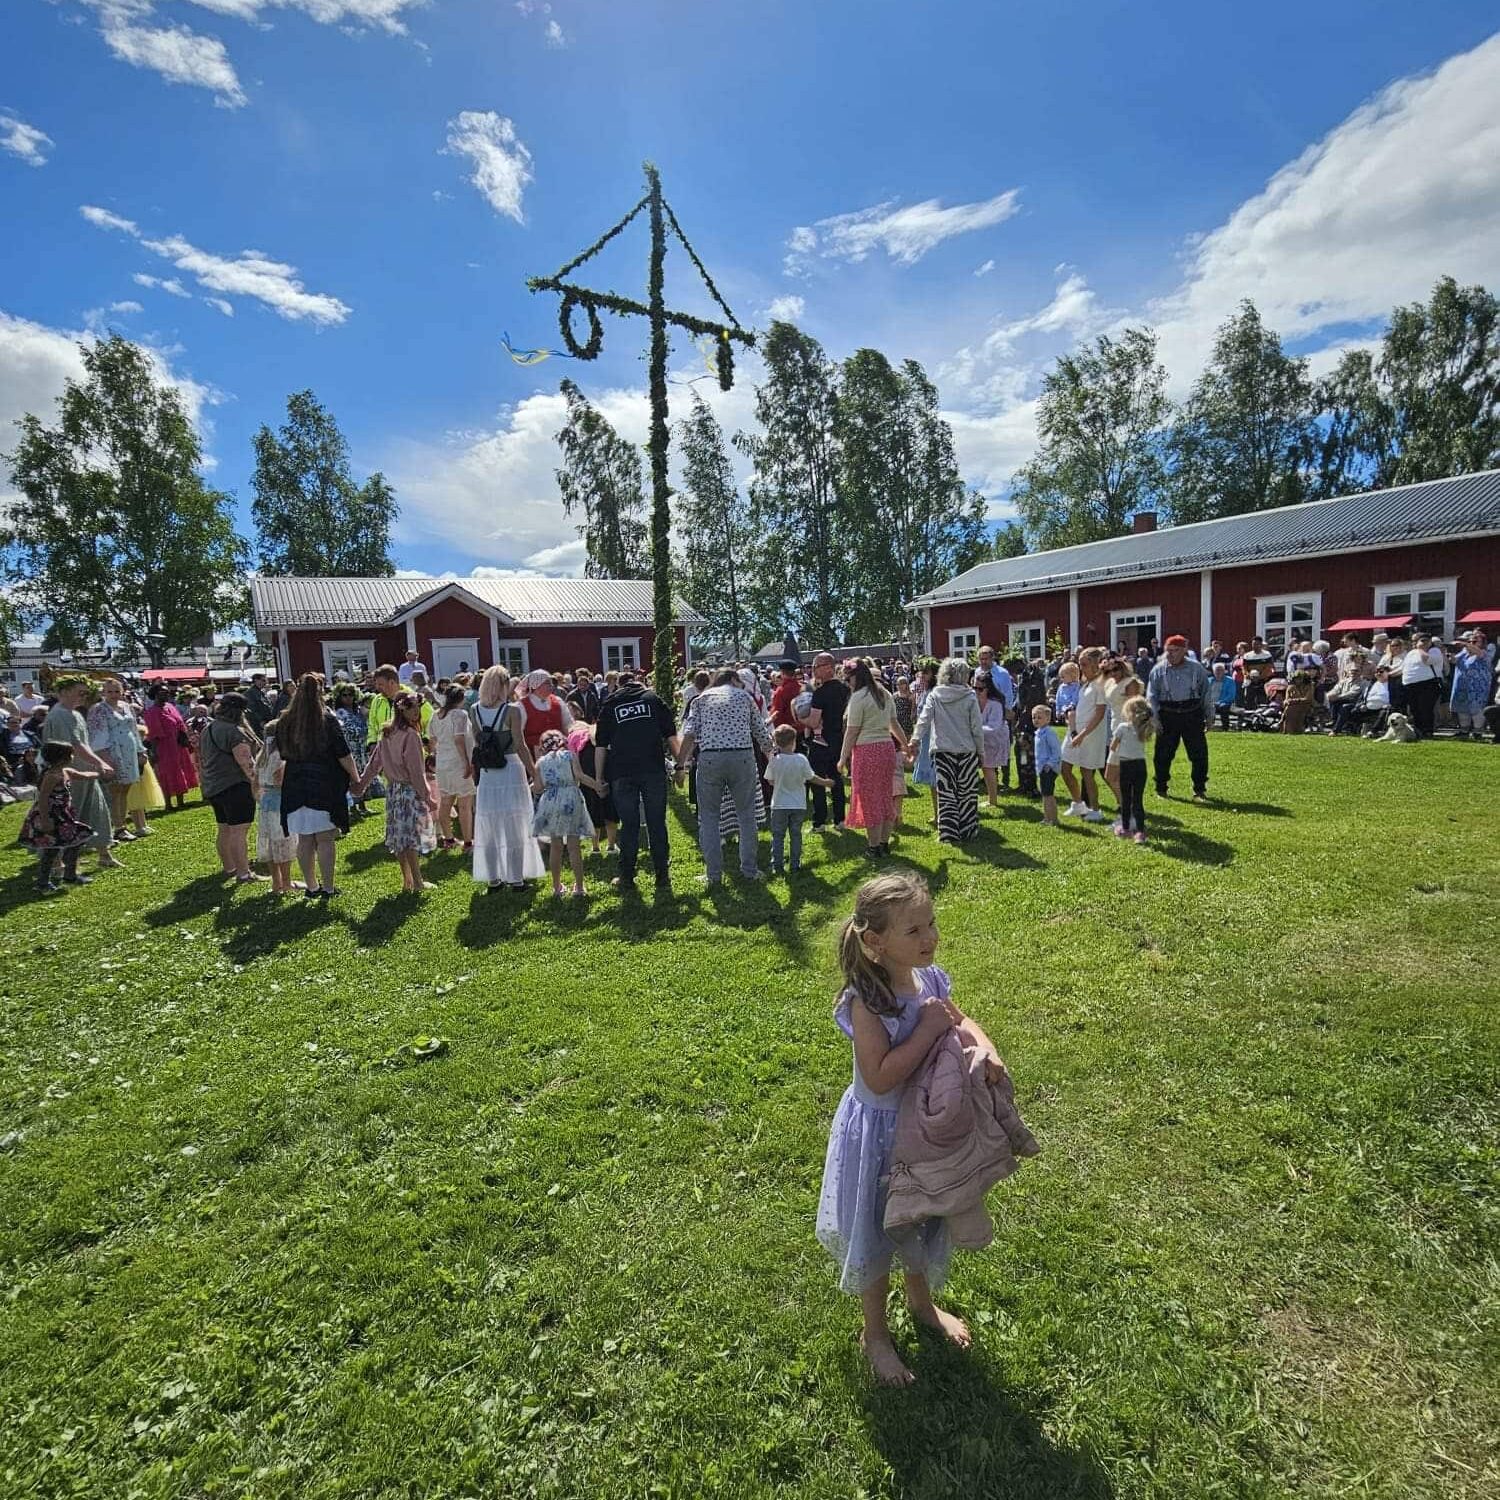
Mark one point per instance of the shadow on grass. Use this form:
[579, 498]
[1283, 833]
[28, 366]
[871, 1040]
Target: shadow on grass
[959, 1431]
[1172, 839]
[258, 926]
[989, 846]
[1259, 809]
[196, 898]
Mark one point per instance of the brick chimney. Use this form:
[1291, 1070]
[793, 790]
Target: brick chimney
[1143, 520]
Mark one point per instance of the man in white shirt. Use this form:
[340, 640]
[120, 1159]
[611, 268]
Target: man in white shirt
[410, 665]
[1422, 671]
[27, 700]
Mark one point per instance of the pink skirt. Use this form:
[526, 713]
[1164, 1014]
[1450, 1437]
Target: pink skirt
[872, 769]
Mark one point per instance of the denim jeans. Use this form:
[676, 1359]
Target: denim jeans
[734, 769]
[629, 793]
[783, 821]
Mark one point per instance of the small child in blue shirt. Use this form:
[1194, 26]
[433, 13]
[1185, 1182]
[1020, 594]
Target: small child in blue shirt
[1068, 689]
[1047, 756]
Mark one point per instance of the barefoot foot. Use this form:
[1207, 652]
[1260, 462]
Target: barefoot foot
[885, 1362]
[952, 1328]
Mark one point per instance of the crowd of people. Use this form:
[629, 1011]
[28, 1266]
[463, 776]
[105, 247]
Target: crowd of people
[522, 775]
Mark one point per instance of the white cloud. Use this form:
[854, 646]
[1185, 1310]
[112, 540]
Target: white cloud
[179, 55]
[493, 494]
[24, 141]
[1405, 190]
[986, 268]
[222, 304]
[905, 234]
[554, 35]
[987, 372]
[104, 219]
[126, 307]
[786, 309]
[156, 283]
[384, 14]
[502, 164]
[251, 273]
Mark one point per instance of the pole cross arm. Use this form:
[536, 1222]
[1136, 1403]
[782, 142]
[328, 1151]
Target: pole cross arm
[624, 307]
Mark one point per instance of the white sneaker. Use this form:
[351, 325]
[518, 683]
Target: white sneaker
[1075, 809]
[1093, 815]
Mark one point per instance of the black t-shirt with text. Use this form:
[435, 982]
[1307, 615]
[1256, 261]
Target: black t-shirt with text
[634, 726]
[830, 700]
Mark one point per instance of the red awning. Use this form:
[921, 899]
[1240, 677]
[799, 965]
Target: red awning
[174, 674]
[1375, 622]
[1481, 617]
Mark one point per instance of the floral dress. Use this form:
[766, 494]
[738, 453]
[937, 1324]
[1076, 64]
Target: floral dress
[561, 812]
[67, 831]
[1471, 683]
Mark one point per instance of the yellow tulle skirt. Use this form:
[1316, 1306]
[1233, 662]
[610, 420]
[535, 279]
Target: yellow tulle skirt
[145, 793]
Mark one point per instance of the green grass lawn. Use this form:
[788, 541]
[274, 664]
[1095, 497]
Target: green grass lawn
[250, 1245]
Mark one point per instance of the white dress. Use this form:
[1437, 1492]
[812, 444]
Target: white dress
[1089, 753]
[504, 847]
[449, 733]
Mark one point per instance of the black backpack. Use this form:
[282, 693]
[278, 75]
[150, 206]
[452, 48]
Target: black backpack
[493, 741]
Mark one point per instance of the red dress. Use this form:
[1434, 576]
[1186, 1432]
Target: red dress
[174, 760]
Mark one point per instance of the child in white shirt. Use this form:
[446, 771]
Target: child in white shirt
[789, 774]
[1128, 747]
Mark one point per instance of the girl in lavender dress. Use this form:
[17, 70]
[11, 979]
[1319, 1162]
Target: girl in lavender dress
[894, 1007]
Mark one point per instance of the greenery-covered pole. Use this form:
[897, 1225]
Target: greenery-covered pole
[725, 334]
[661, 507]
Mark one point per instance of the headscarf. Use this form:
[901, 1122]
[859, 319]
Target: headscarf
[537, 680]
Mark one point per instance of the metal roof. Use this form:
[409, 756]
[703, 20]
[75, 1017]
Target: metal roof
[303, 602]
[1432, 511]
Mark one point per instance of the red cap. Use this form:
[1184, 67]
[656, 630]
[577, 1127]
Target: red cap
[1176, 640]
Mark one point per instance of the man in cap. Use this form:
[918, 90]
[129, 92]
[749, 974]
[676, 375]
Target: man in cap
[1181, 694]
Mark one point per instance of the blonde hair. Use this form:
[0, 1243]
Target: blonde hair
[1068, 672]
[876, 904]
[1092, 654]
[1138, 711]
[494, 687]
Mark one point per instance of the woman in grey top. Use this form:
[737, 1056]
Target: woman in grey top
[91, 804]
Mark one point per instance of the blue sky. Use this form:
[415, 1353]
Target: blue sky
[349, 194]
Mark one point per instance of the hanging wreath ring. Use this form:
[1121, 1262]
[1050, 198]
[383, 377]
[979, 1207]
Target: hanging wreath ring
[589, 350]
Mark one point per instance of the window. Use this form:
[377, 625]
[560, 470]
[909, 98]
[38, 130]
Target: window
[1130, 629]
[514, 657]
[352, 657]
[1288, 617]
[1430, 600]
[621, 652]
[962, 642]
[1029, 639]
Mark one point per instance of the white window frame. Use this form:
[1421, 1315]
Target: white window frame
[1449, 586]
[1028, 627]
[503, 646]
[1134, 619]
[620, 642]
[1264, 602]
[964, 640]
[329, 647]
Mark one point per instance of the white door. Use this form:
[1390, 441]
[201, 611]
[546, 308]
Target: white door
[452, 656]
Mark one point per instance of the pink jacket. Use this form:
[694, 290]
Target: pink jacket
[957, 1135]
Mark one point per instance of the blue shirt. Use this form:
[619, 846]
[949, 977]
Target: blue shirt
[1048, 749]
[1067, 696]
[1227, 690]
[1003, 685]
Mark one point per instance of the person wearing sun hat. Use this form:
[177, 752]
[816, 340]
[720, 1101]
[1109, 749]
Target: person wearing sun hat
[1181, 694]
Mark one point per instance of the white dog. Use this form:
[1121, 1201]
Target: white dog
[1398, 731]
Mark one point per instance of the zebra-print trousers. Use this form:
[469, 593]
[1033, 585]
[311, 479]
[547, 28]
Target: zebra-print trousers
[958, 795]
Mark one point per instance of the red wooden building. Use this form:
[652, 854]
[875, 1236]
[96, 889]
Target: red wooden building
[1426, 553]
[459, 624]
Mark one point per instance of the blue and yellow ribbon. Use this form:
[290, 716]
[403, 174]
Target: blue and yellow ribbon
[531, 356]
